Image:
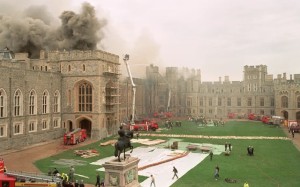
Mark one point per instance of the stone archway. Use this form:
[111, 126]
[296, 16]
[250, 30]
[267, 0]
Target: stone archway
[70, 126]
[285, 114]
[298, 117]
[87, 125]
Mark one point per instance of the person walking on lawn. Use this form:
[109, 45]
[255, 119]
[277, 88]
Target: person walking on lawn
[175, 172]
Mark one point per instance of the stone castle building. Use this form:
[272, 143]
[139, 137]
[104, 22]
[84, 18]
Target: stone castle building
[41, 99]
[183, 93]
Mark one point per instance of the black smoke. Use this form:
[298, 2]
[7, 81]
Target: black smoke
[32, 33]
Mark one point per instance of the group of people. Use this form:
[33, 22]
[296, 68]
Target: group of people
[68, 180]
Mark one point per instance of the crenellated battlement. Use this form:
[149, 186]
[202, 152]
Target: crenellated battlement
[81, 55]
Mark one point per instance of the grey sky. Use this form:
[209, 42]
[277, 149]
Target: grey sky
[219, 37]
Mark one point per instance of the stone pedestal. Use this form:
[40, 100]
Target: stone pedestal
[122, 174]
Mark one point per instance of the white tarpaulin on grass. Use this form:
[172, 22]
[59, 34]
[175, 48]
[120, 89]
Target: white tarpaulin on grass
[162, 172]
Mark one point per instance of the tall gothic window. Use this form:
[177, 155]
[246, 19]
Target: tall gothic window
[18, 103]
[229, 101]
[210, 101]
[284, 102]
[262, 101]
[85, 97]
[249, 101]
[45, 102]
[56, 107]
[201, 102]
[298, 102]
[239, 101]
[32, 103]
[3, 105]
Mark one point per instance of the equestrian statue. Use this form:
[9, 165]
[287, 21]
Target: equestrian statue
[123, 142]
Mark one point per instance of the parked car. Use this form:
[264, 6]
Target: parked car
[295, 127]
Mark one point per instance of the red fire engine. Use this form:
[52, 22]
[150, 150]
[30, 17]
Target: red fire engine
[74, 137]
[17, 179]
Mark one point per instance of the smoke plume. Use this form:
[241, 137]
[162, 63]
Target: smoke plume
[34, 32]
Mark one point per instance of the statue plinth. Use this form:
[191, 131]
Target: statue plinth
[122, 174]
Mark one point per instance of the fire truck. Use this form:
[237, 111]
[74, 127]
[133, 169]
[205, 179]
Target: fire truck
[74, 137]
[142, 125]
[18, 179]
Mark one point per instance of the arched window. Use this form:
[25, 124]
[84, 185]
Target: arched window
[85, 97]
[284, 102]
[45, 102]
[298, 102]
[18, 103]
[83, 67]
[3, 104]
[56, 107]
[32, 103]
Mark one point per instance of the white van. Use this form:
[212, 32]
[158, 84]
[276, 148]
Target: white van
[276, 120]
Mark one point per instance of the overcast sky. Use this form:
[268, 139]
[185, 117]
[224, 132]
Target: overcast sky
[218, 37]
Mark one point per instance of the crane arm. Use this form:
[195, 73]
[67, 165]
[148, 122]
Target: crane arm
[126, 58]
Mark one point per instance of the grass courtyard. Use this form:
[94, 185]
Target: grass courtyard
[276, 162]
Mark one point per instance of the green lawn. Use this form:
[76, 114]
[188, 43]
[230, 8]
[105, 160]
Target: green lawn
[275, 162]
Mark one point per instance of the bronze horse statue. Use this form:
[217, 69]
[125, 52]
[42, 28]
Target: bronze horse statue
[123, 143]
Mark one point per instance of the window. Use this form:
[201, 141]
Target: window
[298, 102]
[189, 101]
[85, 97]
[284, 102]
[3, 131]
[272, 112]
[201, 102]
[262, 101]
[219, 101]
[45, 102]
[3, 105]
[32, 103]
[44, 125]
[272, 101]
[239, 101]
[18, 100]
[228, 101]
[69, 68]
[32, 126]
[69, 97]
[56, 123]
[18, 128]
[249, 87]
[262, 112]
[56, 104]
[83, 67]
[255, 87]
[210, 101]
[249, 101]
[210, 111]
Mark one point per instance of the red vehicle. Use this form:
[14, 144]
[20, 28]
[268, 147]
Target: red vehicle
[74, 137]
[163, 115]
[143, 125]
[265, 119]
[251, 116]
[18, 179]
[231, 115]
